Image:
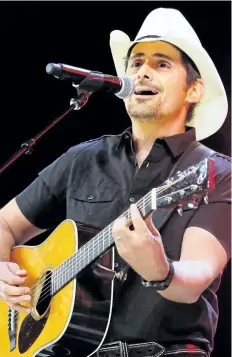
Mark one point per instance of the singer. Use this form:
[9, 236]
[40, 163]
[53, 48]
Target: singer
[166, 302]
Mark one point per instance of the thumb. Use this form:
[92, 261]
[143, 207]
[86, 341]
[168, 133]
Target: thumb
[15, 269]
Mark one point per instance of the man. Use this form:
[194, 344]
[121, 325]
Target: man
[176, 87]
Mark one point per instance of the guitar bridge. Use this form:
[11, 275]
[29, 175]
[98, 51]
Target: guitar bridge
[12, 327]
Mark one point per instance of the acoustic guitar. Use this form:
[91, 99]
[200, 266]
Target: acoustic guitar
[72, 288]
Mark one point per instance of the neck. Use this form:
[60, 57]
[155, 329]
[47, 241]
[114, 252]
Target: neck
[146, 132]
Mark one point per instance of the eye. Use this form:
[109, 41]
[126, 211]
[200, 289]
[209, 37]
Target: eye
[164, 65]
[135, 64]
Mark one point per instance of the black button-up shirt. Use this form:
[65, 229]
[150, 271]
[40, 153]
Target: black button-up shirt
[93, 183]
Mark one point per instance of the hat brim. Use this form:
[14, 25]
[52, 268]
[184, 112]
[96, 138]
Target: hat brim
[210, 113]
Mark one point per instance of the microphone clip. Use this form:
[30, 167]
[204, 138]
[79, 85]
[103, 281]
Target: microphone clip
[86, 88]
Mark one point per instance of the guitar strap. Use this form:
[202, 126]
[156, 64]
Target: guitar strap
[195, 152]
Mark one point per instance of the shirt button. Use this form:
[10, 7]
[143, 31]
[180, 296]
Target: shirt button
[131, 199]
[126, 136]
[90, 197]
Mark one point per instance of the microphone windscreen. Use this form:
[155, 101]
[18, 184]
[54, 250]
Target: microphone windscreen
[127, 89]
[54, 69]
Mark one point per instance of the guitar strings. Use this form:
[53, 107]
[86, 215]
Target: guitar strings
[81, 257]
[146, 201]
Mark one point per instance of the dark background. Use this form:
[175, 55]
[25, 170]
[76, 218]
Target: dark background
[33, 34]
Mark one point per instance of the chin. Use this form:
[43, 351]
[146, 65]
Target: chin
[140, 110]
[142, 115]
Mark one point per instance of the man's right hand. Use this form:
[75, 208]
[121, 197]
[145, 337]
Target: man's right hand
[11, 277]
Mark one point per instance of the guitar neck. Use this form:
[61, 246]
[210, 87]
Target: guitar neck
[95, 247]
[195, 181]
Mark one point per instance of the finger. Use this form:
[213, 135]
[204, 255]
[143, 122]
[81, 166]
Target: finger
[22, 273]
[11, 279]
[119, 226]
[151, 227]
[13, 267]
[15, 291]
[18, 299]
[2, 296]
[138, 222]
[13, 294]
[2, 286]
[19, 308]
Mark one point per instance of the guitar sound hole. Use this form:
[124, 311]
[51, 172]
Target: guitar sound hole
[45, 296]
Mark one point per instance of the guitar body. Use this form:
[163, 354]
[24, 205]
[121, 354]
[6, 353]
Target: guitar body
[71, 278]
[65, 319]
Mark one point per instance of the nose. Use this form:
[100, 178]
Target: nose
[145, 72]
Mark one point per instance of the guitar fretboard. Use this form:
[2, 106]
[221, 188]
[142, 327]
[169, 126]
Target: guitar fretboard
[93, 249]
[196, 179]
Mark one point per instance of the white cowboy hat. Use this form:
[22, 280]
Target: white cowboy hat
[171, 26]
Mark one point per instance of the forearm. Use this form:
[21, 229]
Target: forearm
[7, 241]
[191, 278]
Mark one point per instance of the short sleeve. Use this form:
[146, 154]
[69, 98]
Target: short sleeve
[215, 217]
[43, 201]
[40, 206]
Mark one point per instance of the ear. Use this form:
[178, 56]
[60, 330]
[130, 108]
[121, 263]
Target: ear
[195, 92]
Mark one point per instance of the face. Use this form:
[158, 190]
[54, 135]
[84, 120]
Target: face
[160, 81]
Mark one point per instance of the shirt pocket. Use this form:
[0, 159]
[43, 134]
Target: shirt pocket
[92, 206]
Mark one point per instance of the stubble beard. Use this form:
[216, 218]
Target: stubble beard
[145, 110]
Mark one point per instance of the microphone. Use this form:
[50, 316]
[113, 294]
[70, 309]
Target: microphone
[122, 87]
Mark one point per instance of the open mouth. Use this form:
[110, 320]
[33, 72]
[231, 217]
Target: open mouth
[145, 92]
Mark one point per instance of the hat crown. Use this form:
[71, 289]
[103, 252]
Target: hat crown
[168, 23]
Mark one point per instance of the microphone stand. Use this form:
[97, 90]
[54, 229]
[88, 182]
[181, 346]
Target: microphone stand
[84, 90]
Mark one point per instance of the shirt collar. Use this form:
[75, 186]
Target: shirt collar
[124, 137]
[177, 144]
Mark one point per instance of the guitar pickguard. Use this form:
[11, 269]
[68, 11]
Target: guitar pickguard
[30, 331]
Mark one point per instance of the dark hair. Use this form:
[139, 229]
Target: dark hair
[192, 74]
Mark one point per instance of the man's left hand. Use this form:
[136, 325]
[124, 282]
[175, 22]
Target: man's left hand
[141, 248]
